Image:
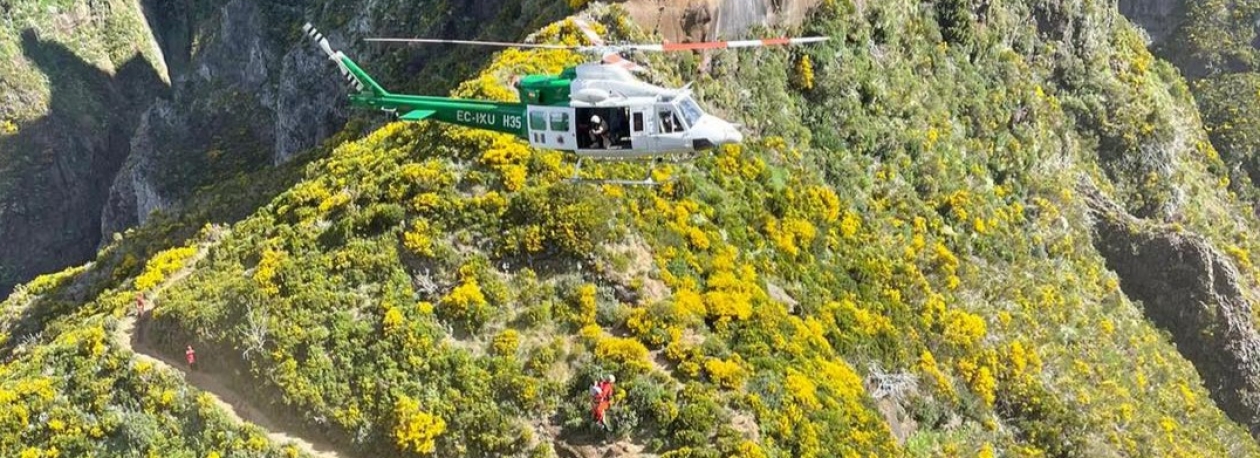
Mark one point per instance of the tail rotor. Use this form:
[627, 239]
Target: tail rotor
[335, 56]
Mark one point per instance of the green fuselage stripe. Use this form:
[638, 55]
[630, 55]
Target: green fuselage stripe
[502, 117]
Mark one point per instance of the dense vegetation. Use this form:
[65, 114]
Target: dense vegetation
[910, 203]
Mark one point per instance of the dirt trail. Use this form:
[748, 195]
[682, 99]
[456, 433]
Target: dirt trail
[232, 403]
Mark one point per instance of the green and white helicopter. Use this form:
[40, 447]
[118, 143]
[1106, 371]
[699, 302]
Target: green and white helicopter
[597, 110]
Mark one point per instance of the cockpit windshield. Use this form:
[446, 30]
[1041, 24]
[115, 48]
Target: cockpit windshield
[690, 111]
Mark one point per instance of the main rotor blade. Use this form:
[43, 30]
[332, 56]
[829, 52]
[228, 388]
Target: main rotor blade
[501, 44]
[668, 47]
[612, 58]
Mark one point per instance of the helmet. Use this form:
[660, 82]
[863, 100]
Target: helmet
[595, 118]
[610, 378]
[595, 390]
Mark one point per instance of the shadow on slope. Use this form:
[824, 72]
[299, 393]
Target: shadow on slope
[55, 171]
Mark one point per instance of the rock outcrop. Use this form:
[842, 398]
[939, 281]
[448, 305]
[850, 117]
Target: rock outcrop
[1194, 292]
[1158, 17]
[702, 20]
[229, 109]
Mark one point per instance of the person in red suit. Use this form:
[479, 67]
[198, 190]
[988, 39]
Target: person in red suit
[603, 392]
[191, 357]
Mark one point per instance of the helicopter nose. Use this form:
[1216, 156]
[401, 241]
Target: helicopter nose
[729, 134]
[711, 132]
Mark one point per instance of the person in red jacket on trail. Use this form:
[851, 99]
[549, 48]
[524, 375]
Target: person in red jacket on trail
[601, 399]
[191, 357]
[140, 305]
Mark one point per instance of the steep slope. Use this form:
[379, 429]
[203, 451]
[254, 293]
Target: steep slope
[129, 335]
[1216, 46]
[900, 261]
[1205, 297]
[74, 78]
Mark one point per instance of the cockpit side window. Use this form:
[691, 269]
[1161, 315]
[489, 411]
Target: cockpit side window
[668, 117]
[690, 110]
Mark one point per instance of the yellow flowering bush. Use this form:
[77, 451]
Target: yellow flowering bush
[162, 265]
[392, 320]
[416, 430]
[805, 72]
[802, 390]
[465, 303]
[419, 238]
[790, 234]
[506, 343]
[730, 296]
[729, 374]
[630, 353]
[927, 365]
[265, 273]
[963, 329]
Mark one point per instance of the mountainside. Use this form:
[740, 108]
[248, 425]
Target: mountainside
[99, 132]
[956, 229]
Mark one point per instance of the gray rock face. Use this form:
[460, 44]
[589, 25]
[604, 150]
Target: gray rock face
[309, 104]
[237, 54]
[243, 90]
[133, 196]
[702, 20]
[1193, 291]
[1158, 17]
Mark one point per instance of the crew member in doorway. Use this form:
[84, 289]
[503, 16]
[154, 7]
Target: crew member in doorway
[599, 133]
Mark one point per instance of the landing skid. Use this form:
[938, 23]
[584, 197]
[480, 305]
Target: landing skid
[646, 181]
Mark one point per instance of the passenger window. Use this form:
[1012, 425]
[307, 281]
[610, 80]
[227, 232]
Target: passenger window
[559, 122]
[538, 121]
[638, 122]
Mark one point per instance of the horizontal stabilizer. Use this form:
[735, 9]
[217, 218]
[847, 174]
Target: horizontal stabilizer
[416, 115]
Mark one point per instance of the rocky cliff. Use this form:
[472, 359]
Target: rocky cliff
[1158, 17]
[102, 143]
[1196, 293]
[1201, 291]
[705, 20]
[77, 80]
[244, 100]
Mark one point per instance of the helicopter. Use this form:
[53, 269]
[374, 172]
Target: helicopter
[597, 110]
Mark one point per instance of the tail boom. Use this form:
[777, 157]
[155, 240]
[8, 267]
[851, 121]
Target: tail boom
[500, 117]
